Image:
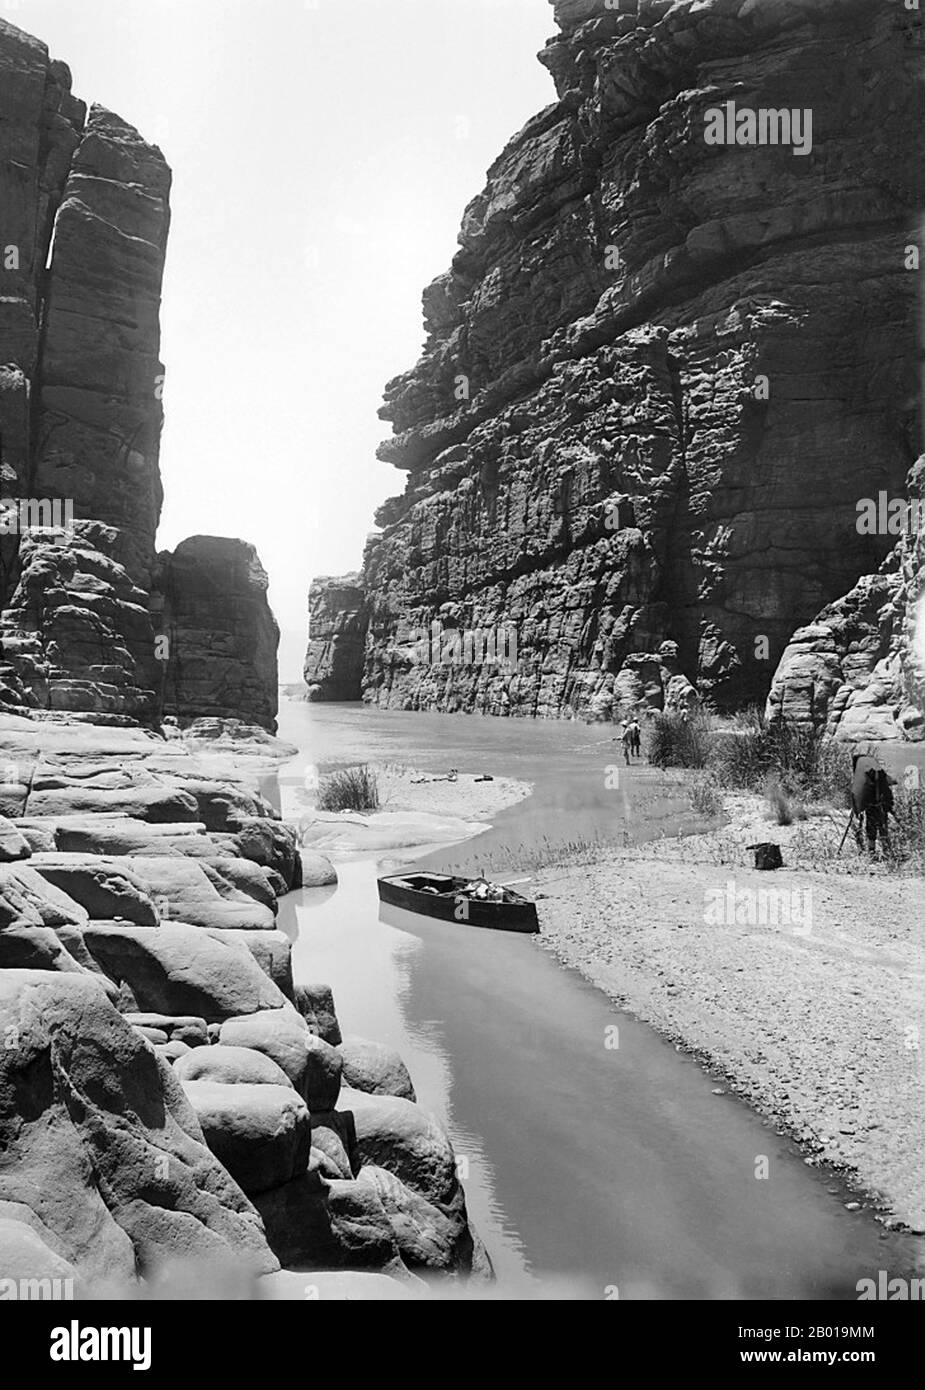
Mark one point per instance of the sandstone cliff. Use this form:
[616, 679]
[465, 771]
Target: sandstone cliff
[337, 624]
[858, 669]
[659, 373]
[84, 218]
[222, 635]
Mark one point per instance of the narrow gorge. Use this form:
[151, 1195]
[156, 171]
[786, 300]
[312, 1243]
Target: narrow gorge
[660, 377]
[177, 1112]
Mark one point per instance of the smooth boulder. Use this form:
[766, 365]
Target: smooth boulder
[106, 888]
[272, 950]
[317, 869]
[399, 1136]
[312, 1065]
[181, 1028]
[329, 1225]
[186, 890]
[260, 1133]
[428, 1237]
[375, 1069]
[178, 969]
[100, 1144]
[316, 1005]
[231, 1066]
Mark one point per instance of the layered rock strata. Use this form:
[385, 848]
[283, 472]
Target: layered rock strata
[222, 636]
[857, 670]
[660, 372]
[171, 1102]
[84, 218]
[337, 638]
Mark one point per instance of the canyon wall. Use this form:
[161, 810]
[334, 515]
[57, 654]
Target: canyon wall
[660, 373]
[337, 620]
[858, 669]
[84, 218]
[222, 635]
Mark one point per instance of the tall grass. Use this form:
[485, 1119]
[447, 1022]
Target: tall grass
[705, 796]
[788, 763]
[907, 829]
[678, 742]
[351, 789]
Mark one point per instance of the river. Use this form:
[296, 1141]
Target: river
[590, 1171]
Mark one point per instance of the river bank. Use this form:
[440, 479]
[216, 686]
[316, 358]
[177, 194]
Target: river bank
[802, 991]
[586, 1167]
[813, 1017]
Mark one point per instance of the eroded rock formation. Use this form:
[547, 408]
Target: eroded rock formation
[84, 217]
[222, 635]
[172, 1104]
[660, 373]
[858, 669]
[337, 638]
[170, 1097]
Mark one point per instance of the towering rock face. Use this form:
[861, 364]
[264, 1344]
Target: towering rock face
[83, 227]
[337, 634]
[100, 376]
[661, 372]
[221, 636]
[84, 218]
[858, 670]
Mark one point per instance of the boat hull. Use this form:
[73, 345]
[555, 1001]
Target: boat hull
[449, 905]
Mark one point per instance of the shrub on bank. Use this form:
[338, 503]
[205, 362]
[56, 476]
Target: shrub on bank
[907, 828]
[789, 764]
[350, 789]
[679, 742]
[705, 797]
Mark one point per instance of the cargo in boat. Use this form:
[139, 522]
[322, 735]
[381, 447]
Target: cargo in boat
[453, 899]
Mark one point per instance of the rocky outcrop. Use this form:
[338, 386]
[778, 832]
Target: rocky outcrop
[84, 218]
[858, 669]
[222, 636]
[140, 867]
[102, 1157]
[660, 372]
[76, 633]
[337, 621]
[160, 1071]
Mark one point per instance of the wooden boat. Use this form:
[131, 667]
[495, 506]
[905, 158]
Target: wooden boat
[445, 896]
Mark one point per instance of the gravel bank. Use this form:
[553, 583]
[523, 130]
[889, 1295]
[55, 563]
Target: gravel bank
[820, 1027]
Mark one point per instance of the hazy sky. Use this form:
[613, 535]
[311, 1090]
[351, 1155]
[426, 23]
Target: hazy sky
[323, 152]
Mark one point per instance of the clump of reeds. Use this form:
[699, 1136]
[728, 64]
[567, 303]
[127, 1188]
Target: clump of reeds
[349, 789]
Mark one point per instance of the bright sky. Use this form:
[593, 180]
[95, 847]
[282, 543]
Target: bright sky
[323, 152]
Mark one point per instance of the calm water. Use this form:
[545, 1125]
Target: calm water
[587, 1167]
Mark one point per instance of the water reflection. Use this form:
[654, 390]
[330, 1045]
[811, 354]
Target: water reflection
[586, 1168]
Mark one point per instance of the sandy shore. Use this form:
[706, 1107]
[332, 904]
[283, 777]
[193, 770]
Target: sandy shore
[418, 812]
[819, 1022]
